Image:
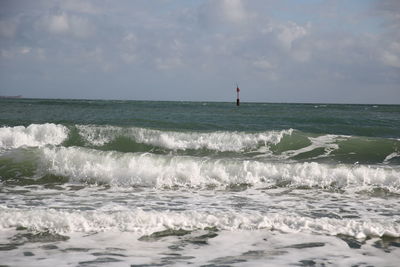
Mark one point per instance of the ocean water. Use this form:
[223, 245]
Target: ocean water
[140, 183]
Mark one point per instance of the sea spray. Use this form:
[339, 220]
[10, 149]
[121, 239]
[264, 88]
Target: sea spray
[32, 135]
[146, 169]
[219, 141]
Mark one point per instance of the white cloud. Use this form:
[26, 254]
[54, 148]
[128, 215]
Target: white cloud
[216, 39]
[25, 50]
[390, 59]
[8, 29]
[128, 48]
[81, 27]
[40, 54]
[95, 54]
[391, 56]
[389, 9]
[302, 54]
[130, 37]
[213, 13]
[266, 68]
[290, 32]
[263, 64]
[6, 54]
[58, 23]
[82, 6]
[288, 39]
[97, 58]
[69, 24]
[389, 44]
[233, 10]
[168, 63]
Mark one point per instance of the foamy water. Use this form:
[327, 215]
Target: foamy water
[32, 136]
[178, 184]
[219, 141]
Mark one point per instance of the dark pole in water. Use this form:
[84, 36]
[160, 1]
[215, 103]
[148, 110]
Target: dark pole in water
[237, 99]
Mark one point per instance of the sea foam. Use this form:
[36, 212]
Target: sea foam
[35, 135]
[218, 141]
[147, 222]
[146, 169]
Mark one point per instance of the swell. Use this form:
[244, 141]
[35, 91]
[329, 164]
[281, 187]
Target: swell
[168, 171]
[284, 145]
[172, 140]
[279, 145]
[147, 222]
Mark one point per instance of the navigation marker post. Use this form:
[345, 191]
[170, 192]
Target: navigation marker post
[237, 91]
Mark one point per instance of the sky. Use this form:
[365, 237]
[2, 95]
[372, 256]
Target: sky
[312, 51]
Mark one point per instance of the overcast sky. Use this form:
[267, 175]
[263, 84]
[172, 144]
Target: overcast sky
[335, 51]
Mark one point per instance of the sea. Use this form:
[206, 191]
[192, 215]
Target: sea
[147, 183]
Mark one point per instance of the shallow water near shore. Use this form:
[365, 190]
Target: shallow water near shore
[136, 183]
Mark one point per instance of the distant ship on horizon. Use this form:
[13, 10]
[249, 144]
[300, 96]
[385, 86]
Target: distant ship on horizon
[6, 96]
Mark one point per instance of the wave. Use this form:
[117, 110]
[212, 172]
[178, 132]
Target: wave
[283, 145]
[147, 222]
[35, 135]
[280, 145]
[218, 141]
[160, 171]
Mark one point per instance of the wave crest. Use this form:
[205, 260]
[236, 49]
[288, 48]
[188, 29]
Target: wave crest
[145, 169]
[218, 141]
[35, 135]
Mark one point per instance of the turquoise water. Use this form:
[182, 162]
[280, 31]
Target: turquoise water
[165, 183]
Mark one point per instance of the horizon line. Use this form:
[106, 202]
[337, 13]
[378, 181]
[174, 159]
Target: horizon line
[199, 101]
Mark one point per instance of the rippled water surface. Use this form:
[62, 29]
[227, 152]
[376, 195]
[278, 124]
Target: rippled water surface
[127, 183]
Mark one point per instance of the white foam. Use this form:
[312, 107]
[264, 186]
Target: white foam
[147, 222]
[328, 142]
[390, 157]
[35, 135]
[218, 141]
[145, 169]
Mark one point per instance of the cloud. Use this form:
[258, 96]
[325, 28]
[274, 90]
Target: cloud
[389, 45]
[6, 54]
[81, 6]
[290, 32]
[388, 8]
[128, 48]
[215, 13]
[97, 58]
[8, 28]
[168, 63]
[58, 23]
[260, 42]
[25, 50]
[263, 64]
[68, 24]
[391, 56]
[233, 10]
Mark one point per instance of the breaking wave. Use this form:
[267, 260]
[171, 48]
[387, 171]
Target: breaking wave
[146, 169]
[218, 141]
[35, 135]
[147, 222]
[276, 145]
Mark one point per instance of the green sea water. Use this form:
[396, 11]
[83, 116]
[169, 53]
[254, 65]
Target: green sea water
[360, 120]
[149, 183]
[363, 133]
